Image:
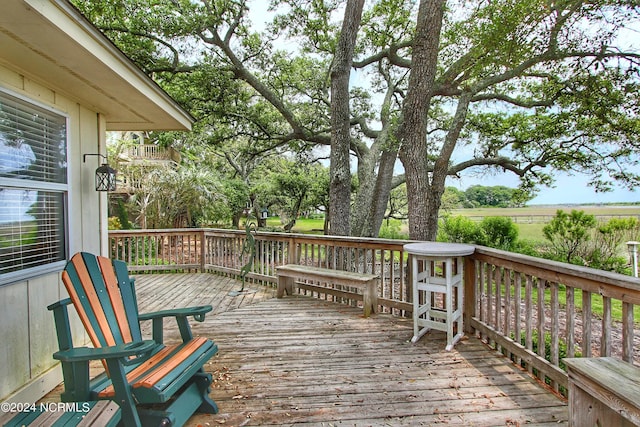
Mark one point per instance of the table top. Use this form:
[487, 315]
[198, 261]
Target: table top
[439, 249]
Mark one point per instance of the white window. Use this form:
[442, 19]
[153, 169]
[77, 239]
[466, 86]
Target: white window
[33, 188]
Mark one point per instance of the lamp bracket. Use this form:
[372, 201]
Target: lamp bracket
[84, 157]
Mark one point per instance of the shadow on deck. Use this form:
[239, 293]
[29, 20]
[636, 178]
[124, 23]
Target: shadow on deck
[304, 361]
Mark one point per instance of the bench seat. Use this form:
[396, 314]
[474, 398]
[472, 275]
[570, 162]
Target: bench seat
[603, 391]
[368, 283]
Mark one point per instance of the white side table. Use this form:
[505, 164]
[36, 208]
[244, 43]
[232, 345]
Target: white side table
[436, 268]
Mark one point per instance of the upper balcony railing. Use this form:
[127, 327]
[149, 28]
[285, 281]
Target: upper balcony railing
[151, 152]
[146, 155]
[532, 310]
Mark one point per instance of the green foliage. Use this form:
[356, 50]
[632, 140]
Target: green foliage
[499, 232]
[497, 196]
[568, 232]
[391, 230]
[173, 198]
[460, 229]
[577, 238]
[235, 194]
[452, 198]
[603, 250]
[139, 251]
[548, 82]
[123, 217]
[527, 247]
[293, 187]
[397, 207]
[114, 223]
[480, 196]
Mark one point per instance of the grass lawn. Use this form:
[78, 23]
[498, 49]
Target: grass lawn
[531, 232]
[530, 220]
[539, 211]
[303, 225]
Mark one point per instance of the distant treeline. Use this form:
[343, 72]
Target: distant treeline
[478, 196]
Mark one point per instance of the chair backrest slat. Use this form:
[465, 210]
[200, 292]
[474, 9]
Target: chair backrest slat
[129, 299]
[111, 284]
[94, 287]
[87, 317]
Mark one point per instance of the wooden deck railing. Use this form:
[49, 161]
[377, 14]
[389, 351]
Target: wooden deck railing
[516, 302]
[221, 251]
[512, 301]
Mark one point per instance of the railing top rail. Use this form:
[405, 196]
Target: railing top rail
[579, 276]
[155, 231]
[561, 272]
[301, 238]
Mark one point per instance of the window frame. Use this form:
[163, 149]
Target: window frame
[31, 184]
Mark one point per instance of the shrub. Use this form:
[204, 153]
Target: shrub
[499, 232]
[568, 234]
[391, 230]
[460, 229]
[603, 251]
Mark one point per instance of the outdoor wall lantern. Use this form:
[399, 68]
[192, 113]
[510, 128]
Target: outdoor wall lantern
[105, 175]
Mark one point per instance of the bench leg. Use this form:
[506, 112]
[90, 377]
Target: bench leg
[285, 284]
[370, 297]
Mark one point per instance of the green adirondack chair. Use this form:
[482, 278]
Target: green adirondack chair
[154, 384]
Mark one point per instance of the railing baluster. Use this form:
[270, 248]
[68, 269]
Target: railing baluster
[586, 323]
[627, 332]
[498, 272]
[517, 293]
[605, 340]
[508, 317]
[541, 284]
[555, 328]
[570, 322]
[489, 300]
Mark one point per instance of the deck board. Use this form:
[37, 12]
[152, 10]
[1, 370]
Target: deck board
[304, 361]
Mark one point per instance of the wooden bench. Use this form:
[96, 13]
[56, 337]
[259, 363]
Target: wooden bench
[603, 391]
[368, 283]
[105, 413]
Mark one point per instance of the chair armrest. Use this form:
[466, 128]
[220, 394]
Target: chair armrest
[61, 303]
[85, 354]
[198, 313]
[180, 314]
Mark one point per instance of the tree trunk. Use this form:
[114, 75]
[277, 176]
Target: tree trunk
[340, 184]
[364, 196]
[381, 193]
[413, 128]
[373, 193]
[441, 167]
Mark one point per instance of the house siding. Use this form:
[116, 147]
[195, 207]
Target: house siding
[28, 334]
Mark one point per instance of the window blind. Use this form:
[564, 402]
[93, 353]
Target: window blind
[33, 155]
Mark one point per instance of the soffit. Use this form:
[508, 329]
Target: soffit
[50, 42]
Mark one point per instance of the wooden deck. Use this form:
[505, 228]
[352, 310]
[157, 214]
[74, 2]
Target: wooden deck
[304, 361]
